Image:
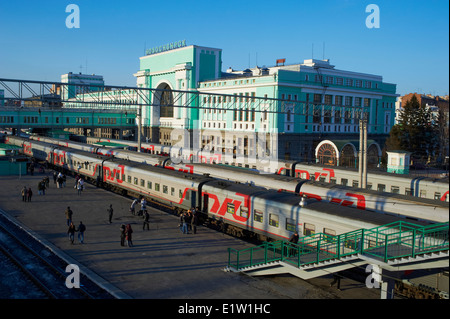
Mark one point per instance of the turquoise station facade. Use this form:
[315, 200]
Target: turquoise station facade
[330, 101]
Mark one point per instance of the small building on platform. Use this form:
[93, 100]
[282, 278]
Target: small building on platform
[398, 162]
[10, 162]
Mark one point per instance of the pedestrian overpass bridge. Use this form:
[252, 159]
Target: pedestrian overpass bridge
[61, 117]
[400, 246]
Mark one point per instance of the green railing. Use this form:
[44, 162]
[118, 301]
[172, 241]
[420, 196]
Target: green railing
[399, 239]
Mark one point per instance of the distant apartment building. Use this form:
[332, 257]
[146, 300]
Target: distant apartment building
[93, 82]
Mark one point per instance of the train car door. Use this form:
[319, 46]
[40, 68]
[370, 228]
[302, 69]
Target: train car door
[193, 198]
[205, 203]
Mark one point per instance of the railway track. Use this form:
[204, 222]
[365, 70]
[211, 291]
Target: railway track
[30, 270]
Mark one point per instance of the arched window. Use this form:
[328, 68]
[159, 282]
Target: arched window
[166, 101]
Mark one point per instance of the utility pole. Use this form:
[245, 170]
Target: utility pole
[362, 169]
[139, 119]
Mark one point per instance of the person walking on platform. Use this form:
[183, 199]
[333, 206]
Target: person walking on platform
[80, 186]
[110, 213]
[29, 194]
[122, 235]
[24, 194]
[183, 222]
[133, 207]
[128, 234]
[293, 243]
[146, 220]
[41, 188]
[194, 220]
[59, 180]
[143, 206]
[69, 214]
[81, 229]
[71, 231]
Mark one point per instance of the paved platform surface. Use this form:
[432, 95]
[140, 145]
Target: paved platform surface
[163, 263]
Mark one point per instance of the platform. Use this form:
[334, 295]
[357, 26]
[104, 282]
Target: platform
[163, 263]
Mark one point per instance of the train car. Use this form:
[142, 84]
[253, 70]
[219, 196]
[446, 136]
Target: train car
[174, 190]
[387, 203]
[275, 215]
[418, 186]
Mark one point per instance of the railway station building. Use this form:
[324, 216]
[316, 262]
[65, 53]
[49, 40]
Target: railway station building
[315, 102]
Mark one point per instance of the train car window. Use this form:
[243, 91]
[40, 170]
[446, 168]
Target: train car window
[172, 191]
[157, 187]
[369, 186]
[165, 189]
[291, 224]
[332, 180]
[437, 195]
[230, 208]
[381, 188]
[273, 220]
[142, 182]
[149, 185]
[117, 176]
[344, 181]
[395, 189]
[408, 191]
[180, 193]
[135, 181]
[322, 179]
[423, 193]
[243, 212]
[309, 229]
[355, 184]
[258, 216]
[129, 179]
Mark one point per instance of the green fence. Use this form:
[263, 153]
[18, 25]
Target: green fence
[399, 239]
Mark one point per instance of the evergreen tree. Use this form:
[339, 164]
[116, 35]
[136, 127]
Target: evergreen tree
[416, 131]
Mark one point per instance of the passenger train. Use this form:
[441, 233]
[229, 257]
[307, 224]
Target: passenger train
[401, 205]
[423, 187]
[246, 210]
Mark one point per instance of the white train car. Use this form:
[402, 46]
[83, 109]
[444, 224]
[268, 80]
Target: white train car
[175, 190]
[278, 215]
[418, 186]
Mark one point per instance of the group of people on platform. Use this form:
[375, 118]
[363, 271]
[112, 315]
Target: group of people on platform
[189, 221]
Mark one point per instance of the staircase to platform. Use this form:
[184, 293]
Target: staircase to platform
[395, 247]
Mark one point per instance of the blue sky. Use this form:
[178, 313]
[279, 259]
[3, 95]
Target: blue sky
[410, 49]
